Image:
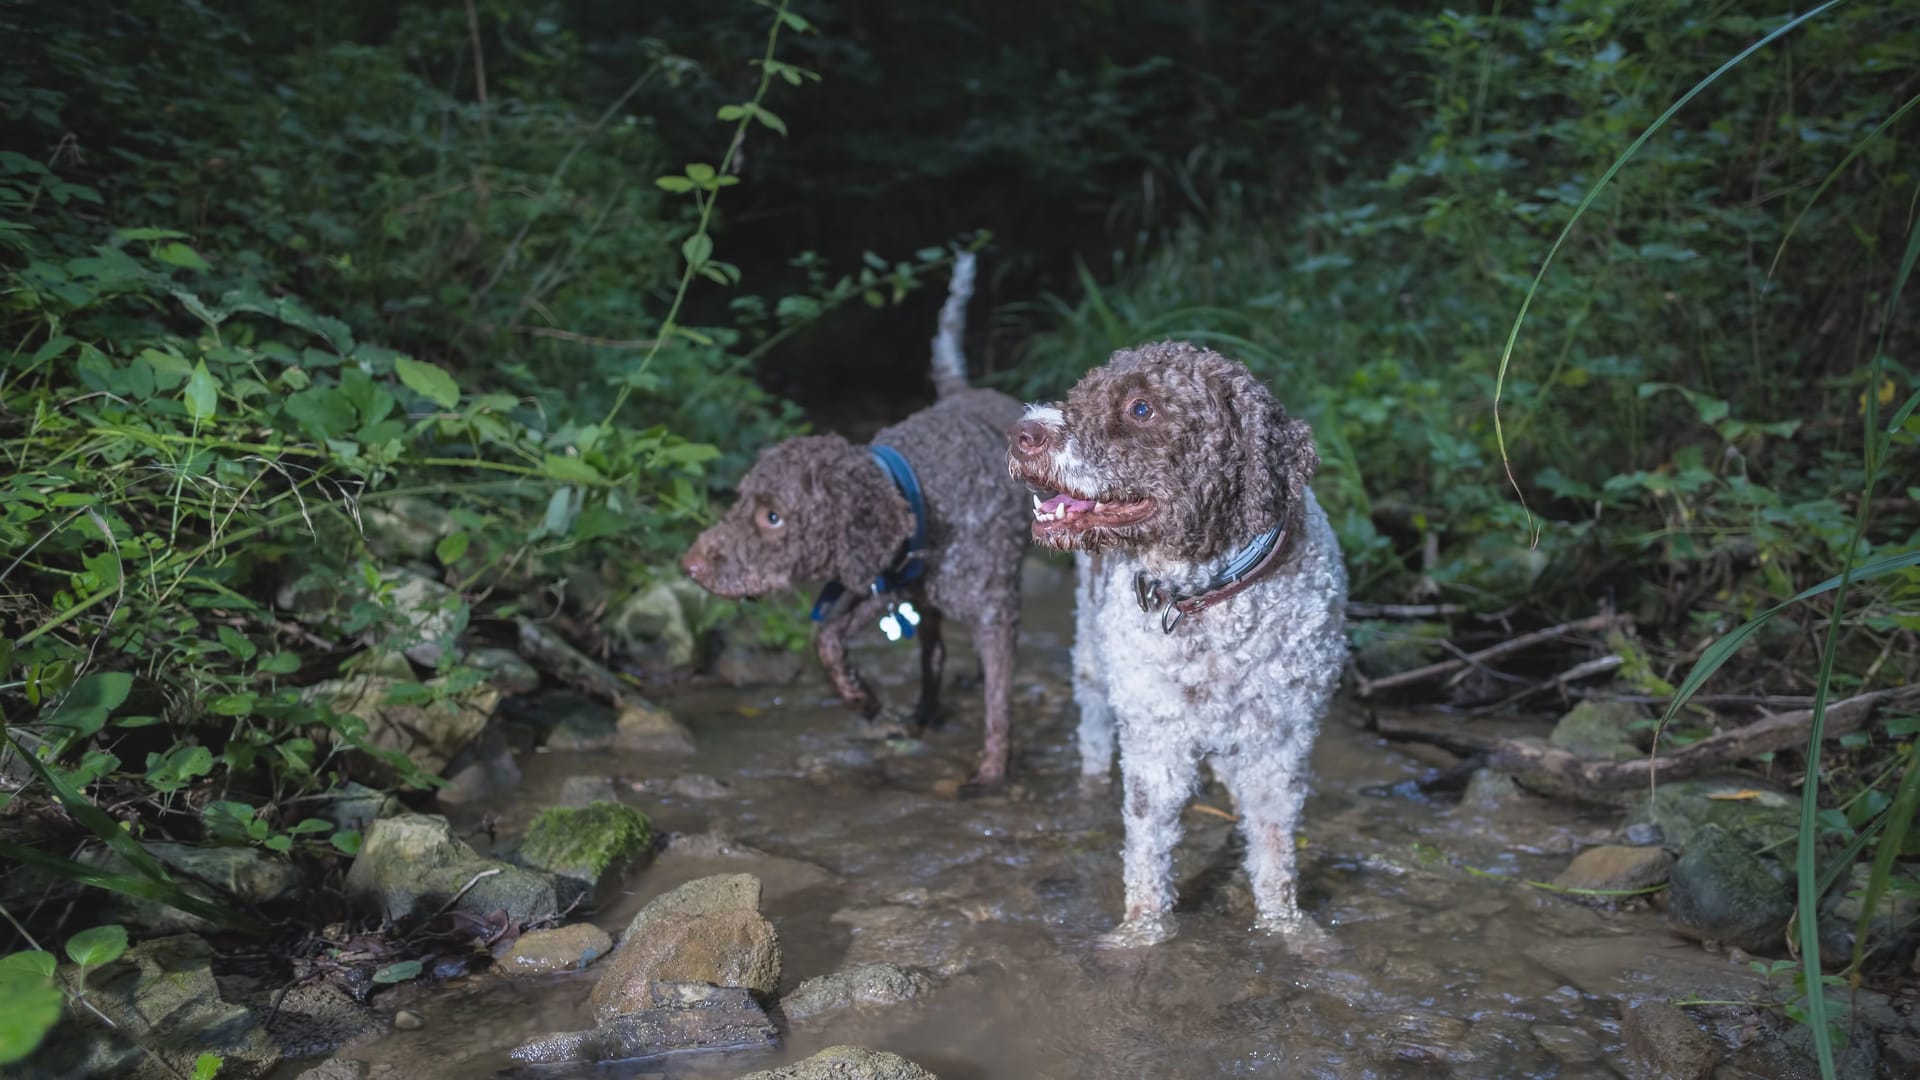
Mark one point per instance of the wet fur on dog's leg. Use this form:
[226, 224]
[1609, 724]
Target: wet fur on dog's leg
[933, 663]
[995, 639]
[830, 643]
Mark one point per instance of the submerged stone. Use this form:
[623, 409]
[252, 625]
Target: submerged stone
[847, 1063]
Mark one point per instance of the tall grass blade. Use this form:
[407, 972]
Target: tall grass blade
[1891, 120]
[1899, 819]
[1513, 335]
[1809, 897]
[129, 885]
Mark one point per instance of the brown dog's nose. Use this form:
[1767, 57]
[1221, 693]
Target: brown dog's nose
[1031, 438]
[695, 566]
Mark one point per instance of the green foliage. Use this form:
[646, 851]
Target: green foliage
[33, 1002]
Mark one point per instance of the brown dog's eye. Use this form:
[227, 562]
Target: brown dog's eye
[772, 519]
[1140, 409]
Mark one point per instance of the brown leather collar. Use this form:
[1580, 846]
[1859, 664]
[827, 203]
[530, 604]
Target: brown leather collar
[1154, 596]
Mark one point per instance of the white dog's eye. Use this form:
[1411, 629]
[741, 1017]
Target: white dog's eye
[1140, 409]
[773, 519]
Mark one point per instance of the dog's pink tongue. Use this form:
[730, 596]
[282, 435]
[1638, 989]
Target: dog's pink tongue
[1066, 502]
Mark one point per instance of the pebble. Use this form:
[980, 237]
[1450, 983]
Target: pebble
[408, 1020]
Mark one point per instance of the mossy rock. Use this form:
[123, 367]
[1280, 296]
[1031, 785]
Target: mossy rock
[583, 844]
[1601, 730]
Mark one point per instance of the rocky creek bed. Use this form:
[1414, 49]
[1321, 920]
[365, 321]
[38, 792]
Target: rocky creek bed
[800, 898]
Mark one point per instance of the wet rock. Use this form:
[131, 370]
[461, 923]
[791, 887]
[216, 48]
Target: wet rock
[1488, 789]
[424, 721]
[1664, 1043]
[743, 664]
[1602, 730]
[1746, 810]
[847, 1063]
[1890, 931]
[652, 625]
[645, 728]
[699, 786]
[870, 985]
[706, 931]
[246, 875]
[312, 1017]
[505, 670]
[1902, 1053]
[1571, 1045]
[405, 528]
[1422, 1036]
[408, 1020]
[562, 948]
[778, 874]
[1612, 869]
[336, 1069]
[353, 806]
[161, 996]
[684, 1017]
[1722, 892]
[935, 939]
[430, 617]
[548, 650]
[581, 846]
[486, 769]
[413, 865]
[1858, 1059]
[587, 790]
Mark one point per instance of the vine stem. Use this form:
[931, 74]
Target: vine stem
[667, 328]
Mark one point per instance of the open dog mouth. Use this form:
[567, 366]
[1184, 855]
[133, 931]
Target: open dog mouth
[1065, 515]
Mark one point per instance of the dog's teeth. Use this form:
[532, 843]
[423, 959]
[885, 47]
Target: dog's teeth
[1036, 504]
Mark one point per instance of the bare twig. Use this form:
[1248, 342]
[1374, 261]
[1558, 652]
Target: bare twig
[1555, 771]
[471, 882]
[479, 67]
[1593, 623]
[1360, 610]
[584, 339]
[1571, 675]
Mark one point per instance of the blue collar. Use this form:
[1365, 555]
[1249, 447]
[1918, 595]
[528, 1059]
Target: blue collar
[908, 566]
[1258, 556]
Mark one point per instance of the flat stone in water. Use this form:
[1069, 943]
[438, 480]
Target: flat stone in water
[1570, 1044]
[847, 1063]
[684, 1016]
[561, 948]
[1664, 1043]
[871, 985]
[1612, 869]
[1722, 892]
[336, 1069]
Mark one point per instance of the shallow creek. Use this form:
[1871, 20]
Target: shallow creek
[1436, 970]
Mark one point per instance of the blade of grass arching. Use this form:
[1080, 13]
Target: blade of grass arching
[111, 834]
[1906, 802]
[1834, 175]
[1809, 897]
[1513, 335]
[129, 885]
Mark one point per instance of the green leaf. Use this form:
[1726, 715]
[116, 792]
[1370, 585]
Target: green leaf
[86, 706]
[279, 842]
[451, 547]
[700, 173]
[38, 961]
[311, 825]
[347, 841]
[202, 393]
[400, 972]
[33, 1006]
[280, 663]
[236, 645]
[731, 112]
[178, 254]
[324, 410]
[679, 185]
[428, 381]
[795, 22]
[697, 248]
[571, 470]
[766, 117]
[99, 945]
[207, 1066]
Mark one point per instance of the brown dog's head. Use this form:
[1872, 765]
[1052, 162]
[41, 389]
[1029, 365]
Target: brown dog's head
[815, 508]
[1168, 449]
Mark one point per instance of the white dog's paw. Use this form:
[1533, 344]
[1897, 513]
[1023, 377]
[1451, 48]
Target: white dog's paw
[1136, 933]
[1300, 936]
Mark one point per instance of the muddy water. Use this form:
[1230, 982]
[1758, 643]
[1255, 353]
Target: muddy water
[1436, 970]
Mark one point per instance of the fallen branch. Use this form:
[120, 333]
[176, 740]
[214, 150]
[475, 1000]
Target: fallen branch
[1554, 771]
[1573, 674]
[1591, 624]
[1358, 609]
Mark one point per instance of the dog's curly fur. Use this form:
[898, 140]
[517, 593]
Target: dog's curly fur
[1188, 458]
[838, 516]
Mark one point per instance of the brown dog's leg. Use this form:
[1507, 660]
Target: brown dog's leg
[994, 639]
[831, 646]
[933, 663]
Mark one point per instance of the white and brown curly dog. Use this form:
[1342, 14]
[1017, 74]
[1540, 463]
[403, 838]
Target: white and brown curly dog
[1211, 602]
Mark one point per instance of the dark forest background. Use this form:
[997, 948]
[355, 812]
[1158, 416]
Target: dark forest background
[508, 294]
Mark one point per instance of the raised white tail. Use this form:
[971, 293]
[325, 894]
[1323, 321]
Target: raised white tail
[949, 360]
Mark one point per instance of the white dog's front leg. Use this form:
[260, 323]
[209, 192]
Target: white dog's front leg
[1158, 780]
[1089, 674]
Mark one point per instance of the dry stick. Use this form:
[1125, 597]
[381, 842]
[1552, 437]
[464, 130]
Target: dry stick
[1571, 675]
[471, 882]
[479, 68]
[1592, 623]
[1558, 772]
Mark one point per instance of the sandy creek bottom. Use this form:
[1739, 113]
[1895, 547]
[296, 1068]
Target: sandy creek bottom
[1439, 971]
